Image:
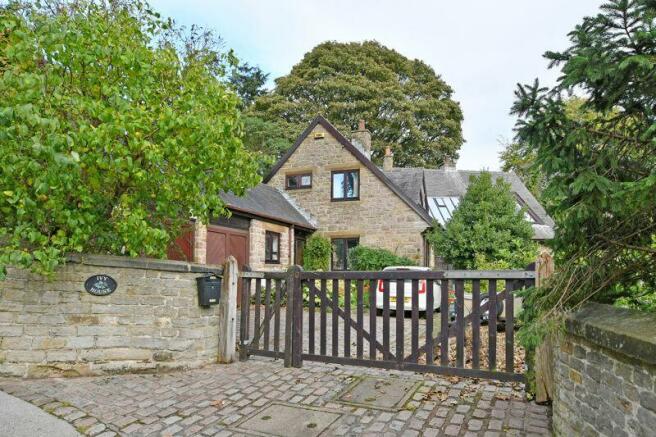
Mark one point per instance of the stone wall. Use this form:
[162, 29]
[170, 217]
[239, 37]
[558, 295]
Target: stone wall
[53, 327]
[379, 218]
[257, 233]
[605, 374]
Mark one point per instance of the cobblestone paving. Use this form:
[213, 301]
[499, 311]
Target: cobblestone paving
[217, 399]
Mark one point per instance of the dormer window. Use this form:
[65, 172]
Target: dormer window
[345, 185]
[297, 181]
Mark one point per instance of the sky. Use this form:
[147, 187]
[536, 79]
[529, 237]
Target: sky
[482, 49]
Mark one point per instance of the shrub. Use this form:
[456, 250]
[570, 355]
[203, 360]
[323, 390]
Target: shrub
[487, 228]
[316, 255]
[372, 259]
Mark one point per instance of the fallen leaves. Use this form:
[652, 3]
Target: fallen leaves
[484, 363]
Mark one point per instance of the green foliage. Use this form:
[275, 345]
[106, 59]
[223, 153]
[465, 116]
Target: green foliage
[373, 259]
[114, 129]
[265, 140]
[316, 254]
[248, 82]
[599, 160]
[523, 165]
[486, 230]
[406, 105]
[598, 157]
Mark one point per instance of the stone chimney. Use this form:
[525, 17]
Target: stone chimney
[361, 139]
[449, 164]
[388, 159]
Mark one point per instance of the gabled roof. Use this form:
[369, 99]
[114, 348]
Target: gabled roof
[444, 184]
[409, 180]
[267, 202]
[359, 156]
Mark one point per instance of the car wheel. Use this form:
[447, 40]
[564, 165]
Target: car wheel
[484, 316]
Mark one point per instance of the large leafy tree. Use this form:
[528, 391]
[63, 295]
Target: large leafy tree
[600, 164]
[487, 229]
[406, 105]
[265, 139]
[113, 131]
[249, 82]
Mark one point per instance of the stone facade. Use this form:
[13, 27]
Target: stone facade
[257, 232]
[379, 218]
[605, 374]
[152, 322]
[200, 243]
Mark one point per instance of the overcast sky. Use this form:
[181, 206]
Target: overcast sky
[480, 48]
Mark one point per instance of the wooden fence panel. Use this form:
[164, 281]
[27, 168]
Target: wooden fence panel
[347, 301]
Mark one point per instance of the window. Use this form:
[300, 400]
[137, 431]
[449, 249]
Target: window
[346, 185]
[341, 247]
[529, 216]
[272, 248]
[299, 181]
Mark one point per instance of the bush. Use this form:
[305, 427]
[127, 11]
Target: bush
[487, 228]
[373, 259]
[316, 255]
[341, 295]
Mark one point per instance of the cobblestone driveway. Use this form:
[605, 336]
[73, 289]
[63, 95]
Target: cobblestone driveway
[217, 399]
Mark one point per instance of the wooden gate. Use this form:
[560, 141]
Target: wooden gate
[346, 318]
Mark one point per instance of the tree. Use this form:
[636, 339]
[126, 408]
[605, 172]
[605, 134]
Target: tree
[265, 140]
[486, 228]
[113, 131]
[522, 158]
[406, 105]
[516, 158]
[599, 162]
[248, 81]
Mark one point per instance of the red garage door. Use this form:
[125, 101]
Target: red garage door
[223, 242]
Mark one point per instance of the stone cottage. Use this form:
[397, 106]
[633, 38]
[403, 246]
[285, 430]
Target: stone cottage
[326, 183]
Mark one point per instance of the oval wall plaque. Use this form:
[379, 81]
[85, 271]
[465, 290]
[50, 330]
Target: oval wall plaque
[100, 285]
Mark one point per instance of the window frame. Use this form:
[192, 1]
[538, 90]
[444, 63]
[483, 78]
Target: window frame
[299, 178]
[332, 183]
[345, 254]
[535, 220]
[268, 251]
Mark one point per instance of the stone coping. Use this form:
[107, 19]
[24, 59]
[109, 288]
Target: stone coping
[625, 331]
[143, 263]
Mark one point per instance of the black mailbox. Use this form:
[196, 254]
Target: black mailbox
[209, 289]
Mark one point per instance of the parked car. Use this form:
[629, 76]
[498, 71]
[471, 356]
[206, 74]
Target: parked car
[407, 286]
[485, 316]
[407, 298]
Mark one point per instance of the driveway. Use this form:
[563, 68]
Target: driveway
[407, 337]
[261, 397]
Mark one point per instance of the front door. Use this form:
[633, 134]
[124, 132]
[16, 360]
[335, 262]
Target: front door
[299, 247]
